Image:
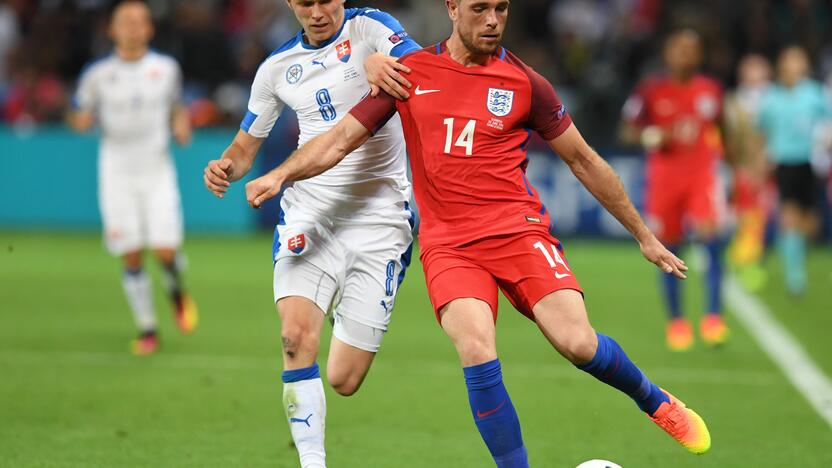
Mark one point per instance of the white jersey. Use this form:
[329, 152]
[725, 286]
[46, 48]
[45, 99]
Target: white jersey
[321, 84]
[132, 101]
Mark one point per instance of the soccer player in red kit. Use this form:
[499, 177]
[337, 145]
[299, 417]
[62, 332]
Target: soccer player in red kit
[677, 118]
[467, 123]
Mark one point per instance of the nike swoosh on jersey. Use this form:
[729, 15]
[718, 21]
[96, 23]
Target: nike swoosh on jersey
[489, 413]
[561, 275]
[420, 91]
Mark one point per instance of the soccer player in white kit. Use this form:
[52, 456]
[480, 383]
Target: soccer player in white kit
[134, 94]
[343, 240]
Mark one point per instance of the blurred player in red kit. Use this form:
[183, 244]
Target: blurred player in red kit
[752, 195]
[676, 117]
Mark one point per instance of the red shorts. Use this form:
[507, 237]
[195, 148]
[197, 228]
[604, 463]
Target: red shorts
[526, 267]
[674, 198]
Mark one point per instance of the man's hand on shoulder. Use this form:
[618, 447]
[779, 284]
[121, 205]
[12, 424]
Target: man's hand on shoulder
[384, 73]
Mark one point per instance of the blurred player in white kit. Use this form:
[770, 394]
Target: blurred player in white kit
[134, 95]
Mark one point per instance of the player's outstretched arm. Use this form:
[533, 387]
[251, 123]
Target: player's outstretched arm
[235, 163]
[604, 184]
[313, 158]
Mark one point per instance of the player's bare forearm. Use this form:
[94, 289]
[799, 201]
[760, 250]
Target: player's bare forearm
[605, 185]
[600, 179]
[234, 163]
[181, 124]
[323, 152]
[241, 152]
[314, 158]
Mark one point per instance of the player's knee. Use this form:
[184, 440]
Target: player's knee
[132, 260]
[166, 256]
[298, 338]
[580, 348]
[476, 350]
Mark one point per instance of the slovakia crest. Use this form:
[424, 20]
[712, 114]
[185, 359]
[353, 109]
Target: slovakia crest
[294, 73]
[297, 244]
[344, 51]
[500, 101]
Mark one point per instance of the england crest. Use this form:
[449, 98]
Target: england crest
[500, 101]
[344, 51]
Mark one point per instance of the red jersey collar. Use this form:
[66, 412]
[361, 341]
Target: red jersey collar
[442, 48]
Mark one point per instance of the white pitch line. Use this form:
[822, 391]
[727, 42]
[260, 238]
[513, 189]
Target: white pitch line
[782, 348]
[11, 358]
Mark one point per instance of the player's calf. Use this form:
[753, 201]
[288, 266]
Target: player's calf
[348, 366]
[185, 309]
[137, 288]
[343, 382]
[305, 405]
[494, 415]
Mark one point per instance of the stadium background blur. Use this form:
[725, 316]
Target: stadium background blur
[54, 279]
[594, 52]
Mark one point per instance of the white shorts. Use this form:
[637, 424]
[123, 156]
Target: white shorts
[140, 211]
[352, 268]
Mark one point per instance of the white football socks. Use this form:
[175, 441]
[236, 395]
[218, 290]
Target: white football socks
[305, 406]
[140, 296]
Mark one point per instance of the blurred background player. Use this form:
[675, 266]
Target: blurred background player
[676, 117]
[790, 113]
[484, 227]
[343, 240]
[134, 95]
[745, 145]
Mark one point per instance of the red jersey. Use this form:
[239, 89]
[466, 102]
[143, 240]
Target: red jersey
[467, 129]
[690, 112]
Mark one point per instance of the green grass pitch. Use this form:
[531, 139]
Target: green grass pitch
[72, 396]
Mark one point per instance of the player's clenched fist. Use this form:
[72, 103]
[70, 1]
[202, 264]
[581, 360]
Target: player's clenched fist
[262, 189]
[217, 175]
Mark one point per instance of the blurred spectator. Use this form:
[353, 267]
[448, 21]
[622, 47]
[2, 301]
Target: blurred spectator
[593, 50]
[9, 36]
[34, 97]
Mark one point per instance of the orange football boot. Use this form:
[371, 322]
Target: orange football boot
[679, 334]
[187, 315]
[146, 344]
[713, 330]
[683, 424]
